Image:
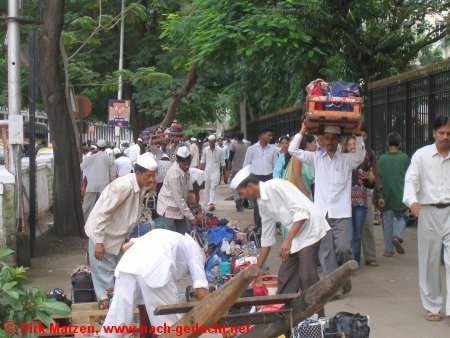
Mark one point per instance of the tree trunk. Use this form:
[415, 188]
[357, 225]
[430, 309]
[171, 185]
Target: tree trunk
[68, 215]
[178, 95]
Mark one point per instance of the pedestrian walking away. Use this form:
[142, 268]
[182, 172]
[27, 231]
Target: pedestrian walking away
[99, 170]
[392, 168]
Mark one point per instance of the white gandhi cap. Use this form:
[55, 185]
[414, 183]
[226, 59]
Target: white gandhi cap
[101, 143]
[240, 177]
[183, 152]
[147, 161]
[332, 130]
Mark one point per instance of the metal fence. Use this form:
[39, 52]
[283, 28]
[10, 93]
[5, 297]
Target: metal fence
[408, 104]
[286, 121]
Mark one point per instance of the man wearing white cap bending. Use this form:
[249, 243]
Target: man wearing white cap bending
[280, 201]
[212, 163]
[172, 199]
[112, 219]
[147, 273]
[332, 195]
[99, 170]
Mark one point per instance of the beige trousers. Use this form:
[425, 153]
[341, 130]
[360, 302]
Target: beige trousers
[433, 232]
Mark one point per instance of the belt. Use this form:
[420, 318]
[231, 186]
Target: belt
[440, 205]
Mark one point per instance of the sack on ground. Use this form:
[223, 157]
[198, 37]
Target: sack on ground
[352, 325]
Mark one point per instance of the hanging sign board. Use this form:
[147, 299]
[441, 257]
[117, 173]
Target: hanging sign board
[119, 113]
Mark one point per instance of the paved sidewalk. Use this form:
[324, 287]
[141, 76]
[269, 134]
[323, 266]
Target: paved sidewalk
[389, 294]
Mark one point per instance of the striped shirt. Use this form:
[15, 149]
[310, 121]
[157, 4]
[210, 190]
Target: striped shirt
[173, 195]
[163, 167]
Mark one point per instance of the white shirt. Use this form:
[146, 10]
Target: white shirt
[133, 152]
[225, 151]
[197, 175]
[163, 255]
[333, 181]
[163, 168]
[116, 212]
[213, 160]
[123, 165]
[281, 201]
[427, 180]
[195, 155]
[261, 160]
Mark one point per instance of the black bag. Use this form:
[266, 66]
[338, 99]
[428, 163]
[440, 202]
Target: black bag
[352, 325]
[83, 288]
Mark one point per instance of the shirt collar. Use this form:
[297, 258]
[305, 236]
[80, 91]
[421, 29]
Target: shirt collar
[259, 145]
[262, 191]
[435, 152]
[180, 171]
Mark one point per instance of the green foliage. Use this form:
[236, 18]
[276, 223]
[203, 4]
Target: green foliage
[23, 303]
[430, 55]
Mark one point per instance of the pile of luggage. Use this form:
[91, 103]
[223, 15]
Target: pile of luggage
[334, 103]
[155, 135]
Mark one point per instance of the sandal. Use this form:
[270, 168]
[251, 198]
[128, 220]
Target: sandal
[372, 263]
[433, 317]
[388, 254]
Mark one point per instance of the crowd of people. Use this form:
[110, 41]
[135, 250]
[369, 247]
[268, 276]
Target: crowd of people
[321, 191]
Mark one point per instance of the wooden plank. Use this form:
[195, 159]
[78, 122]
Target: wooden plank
[210, 309]
[243, 301]
[309, 302]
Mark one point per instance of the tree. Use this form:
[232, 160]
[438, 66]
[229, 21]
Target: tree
[68, 215]
[376, 39]
[244, 46]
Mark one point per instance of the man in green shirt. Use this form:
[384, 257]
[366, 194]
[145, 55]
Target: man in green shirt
[392, 168]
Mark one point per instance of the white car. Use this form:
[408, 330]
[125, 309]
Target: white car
[44, 155]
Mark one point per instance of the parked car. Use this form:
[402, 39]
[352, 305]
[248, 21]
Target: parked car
[44, 155]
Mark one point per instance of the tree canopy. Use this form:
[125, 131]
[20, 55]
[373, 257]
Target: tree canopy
[265, 51]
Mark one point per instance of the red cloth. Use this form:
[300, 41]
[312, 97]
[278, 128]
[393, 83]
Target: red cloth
[260, 290]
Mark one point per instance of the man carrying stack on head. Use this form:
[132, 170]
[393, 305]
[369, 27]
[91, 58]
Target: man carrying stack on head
[332, 195]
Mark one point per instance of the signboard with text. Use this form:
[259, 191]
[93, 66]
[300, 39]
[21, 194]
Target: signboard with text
[118, 113]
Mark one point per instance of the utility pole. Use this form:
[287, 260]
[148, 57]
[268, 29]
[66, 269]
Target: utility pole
[120, 87]
[15, 119]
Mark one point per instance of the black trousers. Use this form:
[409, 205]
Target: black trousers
[256, 216]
